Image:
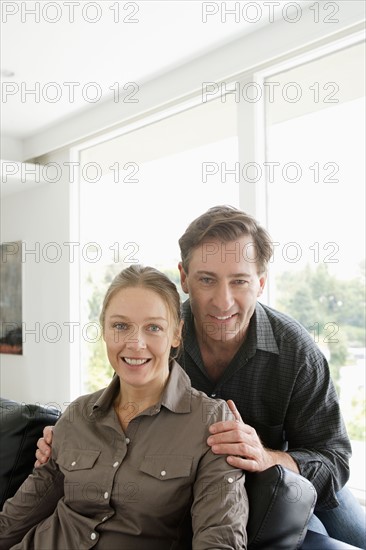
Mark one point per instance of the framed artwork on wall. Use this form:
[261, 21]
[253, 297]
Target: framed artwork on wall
[11, 340]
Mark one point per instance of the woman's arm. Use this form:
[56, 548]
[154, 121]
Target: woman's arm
[220, 505]
[35, 500]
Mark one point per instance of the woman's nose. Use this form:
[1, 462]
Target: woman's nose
[136, 339]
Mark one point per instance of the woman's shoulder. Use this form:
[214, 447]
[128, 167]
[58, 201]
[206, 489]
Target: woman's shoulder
[212, 409]
[215, 410]
[80, 406]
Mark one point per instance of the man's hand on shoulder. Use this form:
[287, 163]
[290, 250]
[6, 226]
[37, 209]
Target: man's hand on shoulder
[44, 445]
[243, 446]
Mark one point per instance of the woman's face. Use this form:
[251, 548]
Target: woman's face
[138, 333]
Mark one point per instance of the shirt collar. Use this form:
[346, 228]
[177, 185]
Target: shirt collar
[176, 396]
[107, 396]
[190, 343]
[265, 339]
[177, 393]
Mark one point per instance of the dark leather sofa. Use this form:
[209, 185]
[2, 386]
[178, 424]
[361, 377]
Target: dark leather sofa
[20, 427]
[281, 502]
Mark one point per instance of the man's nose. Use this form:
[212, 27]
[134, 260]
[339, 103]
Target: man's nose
[223, 298]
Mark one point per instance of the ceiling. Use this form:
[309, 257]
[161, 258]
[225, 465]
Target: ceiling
[72, 62]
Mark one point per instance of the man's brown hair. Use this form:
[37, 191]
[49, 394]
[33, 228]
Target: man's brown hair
[226, 223]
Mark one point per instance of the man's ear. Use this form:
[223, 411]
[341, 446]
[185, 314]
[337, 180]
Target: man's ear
[262, 282]
[178, 335]
[183, 278]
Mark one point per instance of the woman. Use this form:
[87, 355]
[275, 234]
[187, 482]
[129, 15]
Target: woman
[130, 465]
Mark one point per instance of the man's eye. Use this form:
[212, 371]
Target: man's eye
[241, 282]
[206, 280]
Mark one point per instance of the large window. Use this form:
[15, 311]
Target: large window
[149, 184]
[315, 143]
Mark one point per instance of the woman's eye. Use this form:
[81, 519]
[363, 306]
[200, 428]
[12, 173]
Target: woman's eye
[154, 328]
[120, 326]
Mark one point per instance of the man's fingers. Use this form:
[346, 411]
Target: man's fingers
[223, 426]
[41, 459]
[43, 448]
[231, 436]
[230, 426]
[243, 463]
[48, 434]
[244, 450]
[234, 410]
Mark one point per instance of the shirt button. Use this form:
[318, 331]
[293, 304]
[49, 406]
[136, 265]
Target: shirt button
[230, 480]
[73, 463]
[115, 464]
[127, 440]
[106, 495]
[213, 394]
[93, 536]
[163, 473]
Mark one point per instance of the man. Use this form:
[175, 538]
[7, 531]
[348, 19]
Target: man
[276, 379]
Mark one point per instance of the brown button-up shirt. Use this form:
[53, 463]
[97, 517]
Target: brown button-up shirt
[105, 489]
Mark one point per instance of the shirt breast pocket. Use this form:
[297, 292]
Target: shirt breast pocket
[168, 478]
[82, 480]
[77, 459]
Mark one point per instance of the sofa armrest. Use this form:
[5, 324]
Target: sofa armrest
[20, 427]
[280, 505]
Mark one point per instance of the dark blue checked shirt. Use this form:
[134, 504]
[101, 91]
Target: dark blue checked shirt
[281, 385]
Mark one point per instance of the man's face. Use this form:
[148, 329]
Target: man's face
[223, 285]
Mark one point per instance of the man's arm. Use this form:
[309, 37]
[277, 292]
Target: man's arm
[316, 433]
[318, 443]
[243, 446]
[44, 444]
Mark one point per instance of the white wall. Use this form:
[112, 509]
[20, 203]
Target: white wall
[11, 148]
[40, 215]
